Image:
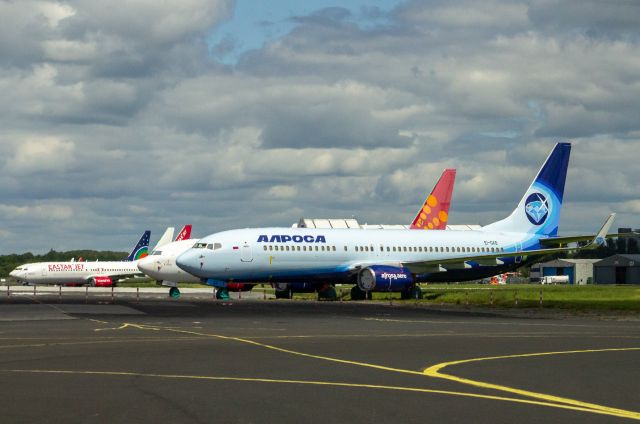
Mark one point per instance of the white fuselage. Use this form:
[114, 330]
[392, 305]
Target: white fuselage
[265, 254]
[161, 263]
[73, 272]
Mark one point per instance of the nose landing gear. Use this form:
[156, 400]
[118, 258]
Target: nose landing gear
[174, 293]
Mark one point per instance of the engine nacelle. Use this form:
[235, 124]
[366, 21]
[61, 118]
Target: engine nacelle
[383, 278]
[101, 281]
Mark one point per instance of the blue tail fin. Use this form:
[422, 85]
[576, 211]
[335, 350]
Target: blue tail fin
[141, 249]
[539, 209]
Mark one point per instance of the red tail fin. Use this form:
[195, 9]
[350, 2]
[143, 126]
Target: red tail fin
[185, 233]
[434, 214]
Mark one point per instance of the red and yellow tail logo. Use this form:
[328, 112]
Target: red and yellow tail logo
[434, 214]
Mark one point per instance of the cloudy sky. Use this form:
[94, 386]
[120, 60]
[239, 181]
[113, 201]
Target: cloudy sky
[116, 119]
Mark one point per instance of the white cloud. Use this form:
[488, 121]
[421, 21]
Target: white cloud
[45, 212]
[123, 106]
[42, 154]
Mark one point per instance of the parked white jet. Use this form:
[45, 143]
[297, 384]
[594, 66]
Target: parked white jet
[392, 258]
[99, 274]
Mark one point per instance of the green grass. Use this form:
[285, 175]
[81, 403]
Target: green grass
[591, 297]
[578, 298]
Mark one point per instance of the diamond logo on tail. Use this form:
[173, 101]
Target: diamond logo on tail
[537, 208]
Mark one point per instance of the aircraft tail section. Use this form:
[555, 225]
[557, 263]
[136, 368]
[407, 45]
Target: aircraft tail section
[141, 249]
[539, 209]
[185, 233]
[166, 238]
[434, 214]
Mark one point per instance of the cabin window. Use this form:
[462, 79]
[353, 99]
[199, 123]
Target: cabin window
[270, 247]
[388, 249]
[265, 247]
[345, 248]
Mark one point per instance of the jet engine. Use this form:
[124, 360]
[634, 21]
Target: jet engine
[101, 281]
[383, 278]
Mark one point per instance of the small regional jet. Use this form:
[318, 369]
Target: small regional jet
[161, 263]
[99, 274]
[394, 258]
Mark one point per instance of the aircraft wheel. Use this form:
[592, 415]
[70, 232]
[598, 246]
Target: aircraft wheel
[357, 294]
[174, 292]
[222, 294]
[416, 292]
[282, 294]
[328, 294]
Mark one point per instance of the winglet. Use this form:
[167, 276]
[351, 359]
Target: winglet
[602, 234]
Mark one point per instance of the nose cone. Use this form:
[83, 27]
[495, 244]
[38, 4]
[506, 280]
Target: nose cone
[192, 262]
[14, 274]
[147, 265]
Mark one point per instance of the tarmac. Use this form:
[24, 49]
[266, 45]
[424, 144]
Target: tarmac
[147, 358]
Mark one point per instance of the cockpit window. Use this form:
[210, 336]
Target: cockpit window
[200, 245]
[156, 252]
[210, 246]
[217, 246]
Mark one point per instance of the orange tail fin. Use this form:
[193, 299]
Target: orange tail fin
[434, 214]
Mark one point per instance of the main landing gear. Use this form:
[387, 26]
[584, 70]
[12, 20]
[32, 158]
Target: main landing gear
[413, 292]
[358, 294]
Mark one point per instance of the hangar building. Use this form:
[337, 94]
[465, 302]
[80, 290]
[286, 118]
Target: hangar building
[618, 269]
[580, 271]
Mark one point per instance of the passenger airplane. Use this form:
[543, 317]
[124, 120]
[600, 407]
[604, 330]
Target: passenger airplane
[433, 215]
[100, 274]
[161, 263]
[393, 258]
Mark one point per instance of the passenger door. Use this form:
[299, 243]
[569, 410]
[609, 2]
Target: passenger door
[245, 253]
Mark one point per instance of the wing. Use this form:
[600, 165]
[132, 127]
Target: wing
[440, 265]
[558, 241]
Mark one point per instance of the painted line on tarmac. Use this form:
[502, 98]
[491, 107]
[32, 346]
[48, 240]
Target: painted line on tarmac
[547, 400]
[314, 383]
[434, 371]
[512, 324]
[96, 342]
